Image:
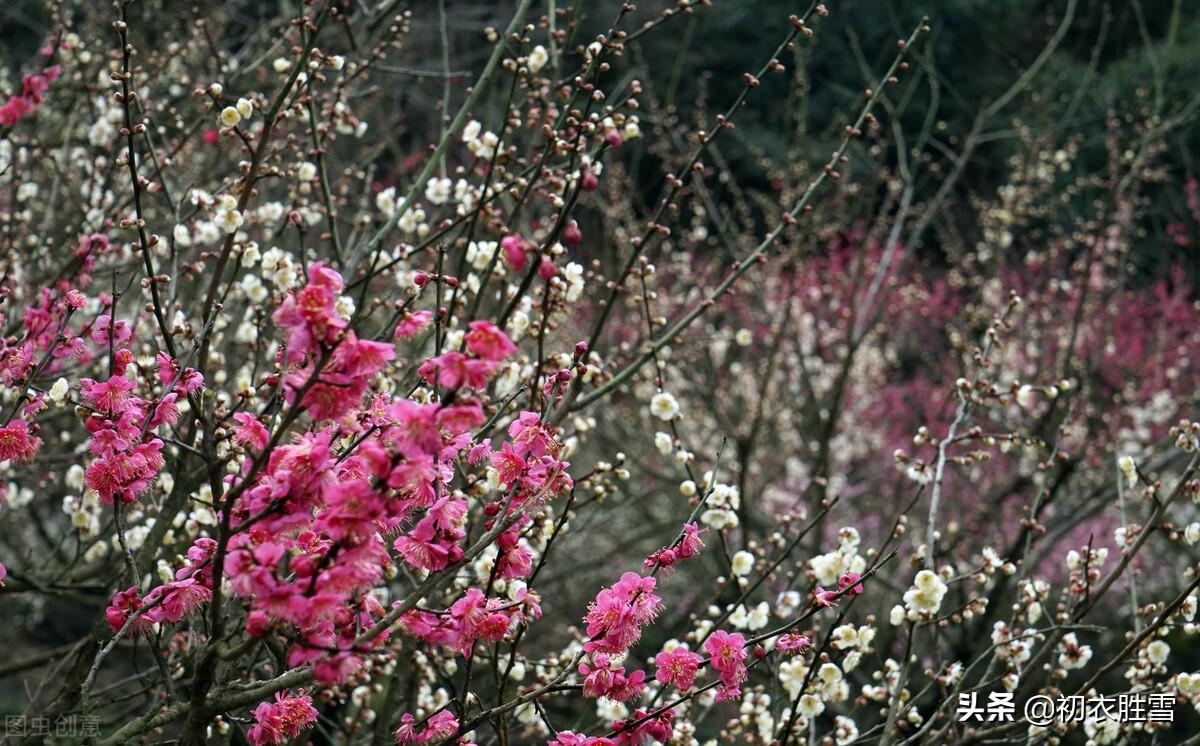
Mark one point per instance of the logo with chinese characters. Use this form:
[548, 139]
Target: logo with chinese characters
[1042, 710]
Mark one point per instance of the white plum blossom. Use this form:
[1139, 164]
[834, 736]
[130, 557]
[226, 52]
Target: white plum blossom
[664, 406]
[538, 57]
[437, 191]
[229, 117]
[925, 597]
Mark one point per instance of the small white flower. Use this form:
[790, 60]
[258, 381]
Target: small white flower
[1188, 608]
[1157, 652]
[229, 219]
[538, 59]
[810, 706]
[787, 603]
[1073, 560]
[307, 171]
[742, 563]
[829, 673]
[1189, 685]
[1074, 656]
[245, 108]
[75, 477]
[1128, 469]
[281, 64]
[385, 202]
[1026, 396]
[845, 637]
[250, 255]
[664, 406]
[739, 618]
[438, 191]
[925, 597]
[471, 131]
[60, 389]
[663, 442]
[844, 730]
[758, 617]
[229, 117]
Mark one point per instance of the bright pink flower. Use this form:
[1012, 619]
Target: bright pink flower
[513, 560]
[452, 370]
[597, 676]
[3, 574]
[103, 328]
[508, 464]
[690, 543]
[257, 623]
[615, 619]
[603, 679]
[109, 397]
[361, 357]
[437, 727]
[407, 732]
[488, 342]
[342, 383]
[461, 417]
[17, 443]
[571, 738]
[727, 656]
[515, 251]
[13, 110]
[166, 411]
[124, 604]
[411, 323]
[440, 725]
[250, 431]
[279, 721]
[479, 452]
[186, 380]
[309, 314]
[428, 548]
[33, 87]
[793, 642]
[688, 546]
[677, 667]
[847, 581]
[824, 597]
[75, 299]
[627, 687]
[179, 599]
[657, 728]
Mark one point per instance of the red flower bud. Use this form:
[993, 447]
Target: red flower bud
[571, 234]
